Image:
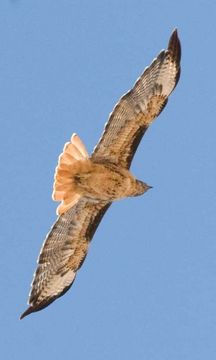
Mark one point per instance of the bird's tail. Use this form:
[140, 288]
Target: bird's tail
[70, 163]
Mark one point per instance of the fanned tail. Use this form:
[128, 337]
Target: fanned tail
[69, 164]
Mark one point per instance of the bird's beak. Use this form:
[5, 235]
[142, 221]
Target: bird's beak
[149, 187]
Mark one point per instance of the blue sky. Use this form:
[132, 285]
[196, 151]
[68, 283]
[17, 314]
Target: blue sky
[147, 288]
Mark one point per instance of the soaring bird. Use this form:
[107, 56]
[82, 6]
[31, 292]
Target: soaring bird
[86, 185]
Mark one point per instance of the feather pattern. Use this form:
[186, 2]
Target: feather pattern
[63, 252]
[137, 109]
[66, 245]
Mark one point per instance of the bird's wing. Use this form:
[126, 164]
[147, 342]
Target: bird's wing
[63, 252]
[136, 110]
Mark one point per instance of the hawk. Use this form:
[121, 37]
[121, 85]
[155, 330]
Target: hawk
[87, 185]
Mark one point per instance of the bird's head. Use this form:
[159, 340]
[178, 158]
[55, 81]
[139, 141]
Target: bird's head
[141, 187]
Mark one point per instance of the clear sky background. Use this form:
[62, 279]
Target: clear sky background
[147, 289]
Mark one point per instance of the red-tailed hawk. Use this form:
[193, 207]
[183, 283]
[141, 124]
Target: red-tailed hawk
[87, 185]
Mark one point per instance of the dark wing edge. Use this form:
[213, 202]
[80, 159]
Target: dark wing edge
[136, 110]
[63, 253]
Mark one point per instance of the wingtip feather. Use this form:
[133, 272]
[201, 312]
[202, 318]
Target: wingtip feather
[28, 311]
[174, 46]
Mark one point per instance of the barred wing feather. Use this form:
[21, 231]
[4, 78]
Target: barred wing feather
[137, 109]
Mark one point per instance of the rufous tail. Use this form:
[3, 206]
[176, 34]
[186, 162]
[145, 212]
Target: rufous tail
[69, 162]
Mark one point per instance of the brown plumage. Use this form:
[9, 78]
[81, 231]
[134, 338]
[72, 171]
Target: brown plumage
[87, 185]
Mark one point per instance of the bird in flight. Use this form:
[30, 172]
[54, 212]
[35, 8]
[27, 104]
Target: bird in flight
[86, 185]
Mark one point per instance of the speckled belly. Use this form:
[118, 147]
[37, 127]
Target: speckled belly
[105, 182]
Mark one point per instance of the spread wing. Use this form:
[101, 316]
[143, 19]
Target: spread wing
[63, 253]
[136, 110]
[66, 245]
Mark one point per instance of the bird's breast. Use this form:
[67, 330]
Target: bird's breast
[105, 182]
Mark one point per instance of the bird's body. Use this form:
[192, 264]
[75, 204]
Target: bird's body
[87, 185]
[78, 175]
[105, 181]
